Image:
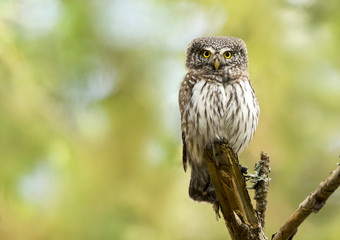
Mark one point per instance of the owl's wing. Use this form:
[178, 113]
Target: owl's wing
[184, 154]
[185, 94]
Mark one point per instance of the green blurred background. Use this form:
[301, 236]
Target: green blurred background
[89, 121]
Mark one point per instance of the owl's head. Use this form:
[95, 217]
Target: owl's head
[217, 53]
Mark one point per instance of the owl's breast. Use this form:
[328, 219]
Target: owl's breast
[204, 117]
[241, 114]
[207, 110]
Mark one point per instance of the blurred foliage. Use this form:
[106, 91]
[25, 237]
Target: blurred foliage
[89, 124]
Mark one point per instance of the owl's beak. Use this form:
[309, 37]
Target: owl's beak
[217, 64]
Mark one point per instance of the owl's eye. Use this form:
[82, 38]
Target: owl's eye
[206, 54]
[227, 54]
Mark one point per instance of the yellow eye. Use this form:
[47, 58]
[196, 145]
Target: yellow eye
[227, 54]
[206, 54]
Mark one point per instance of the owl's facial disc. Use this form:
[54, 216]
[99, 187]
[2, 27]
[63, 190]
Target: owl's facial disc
[218, 58]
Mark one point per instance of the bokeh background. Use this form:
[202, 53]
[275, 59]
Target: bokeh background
[89, 122]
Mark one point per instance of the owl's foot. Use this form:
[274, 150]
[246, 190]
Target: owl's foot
[222, 141]
[244, 170]
[216, 206]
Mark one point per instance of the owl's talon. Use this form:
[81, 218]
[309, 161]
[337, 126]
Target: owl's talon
[222, 141]
[244, 170]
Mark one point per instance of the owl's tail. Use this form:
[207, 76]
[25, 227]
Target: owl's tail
[201, 188]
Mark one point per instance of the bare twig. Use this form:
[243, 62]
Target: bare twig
[313, 203]
[261, 188]
[232, 194]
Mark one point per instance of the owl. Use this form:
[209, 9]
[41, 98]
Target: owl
[217, 101]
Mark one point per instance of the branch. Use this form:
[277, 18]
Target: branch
[261, 187]
[238, 212]
[232, 194]
[313, 203]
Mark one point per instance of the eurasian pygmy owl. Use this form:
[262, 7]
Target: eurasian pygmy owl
[217, 101]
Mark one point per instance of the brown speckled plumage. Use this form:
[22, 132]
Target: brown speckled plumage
[215, 103]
